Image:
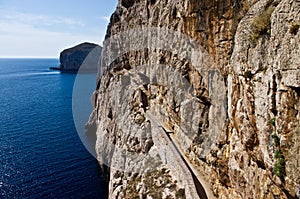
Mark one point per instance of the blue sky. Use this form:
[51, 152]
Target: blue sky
[43, 28]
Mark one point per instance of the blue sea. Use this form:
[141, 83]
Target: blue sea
[41, 153]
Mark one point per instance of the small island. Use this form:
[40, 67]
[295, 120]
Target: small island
[83, 57]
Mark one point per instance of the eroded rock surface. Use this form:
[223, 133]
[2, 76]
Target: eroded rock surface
[223, 77]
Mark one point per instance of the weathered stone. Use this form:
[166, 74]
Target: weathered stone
[220, 91]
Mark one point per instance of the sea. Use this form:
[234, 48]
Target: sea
[41, 150]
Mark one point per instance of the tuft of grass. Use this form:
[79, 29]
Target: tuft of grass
[262, 24]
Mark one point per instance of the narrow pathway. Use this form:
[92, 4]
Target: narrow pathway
[198, 186]
[200, 189]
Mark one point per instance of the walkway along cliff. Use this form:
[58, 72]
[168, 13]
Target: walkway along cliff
[223, 76]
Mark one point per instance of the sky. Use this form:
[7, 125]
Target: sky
[43, 28]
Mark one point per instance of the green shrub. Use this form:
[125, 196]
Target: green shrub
[248, 75]
[279, 167]
[294, 28]
[180, 193]
[281, 161]
[262, 24]
[278, 154]
[272, 121]
[276, 140]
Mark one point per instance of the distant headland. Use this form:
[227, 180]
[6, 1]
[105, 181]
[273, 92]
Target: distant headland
[83, 57]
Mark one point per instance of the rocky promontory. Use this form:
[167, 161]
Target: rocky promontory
[84, 56]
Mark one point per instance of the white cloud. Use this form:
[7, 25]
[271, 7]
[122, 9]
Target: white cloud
[35, 19]
[105, 18]
[29, 35]
[39, 43]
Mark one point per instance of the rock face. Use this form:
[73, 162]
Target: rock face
[222, 76]
[84, 56]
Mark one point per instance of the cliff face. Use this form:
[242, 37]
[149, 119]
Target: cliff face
[220, 78]
[83, 57]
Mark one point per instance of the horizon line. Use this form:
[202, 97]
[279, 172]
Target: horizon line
[28, 57]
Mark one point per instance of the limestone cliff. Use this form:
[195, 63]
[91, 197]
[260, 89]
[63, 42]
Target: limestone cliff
[219, 80]
[83, 57]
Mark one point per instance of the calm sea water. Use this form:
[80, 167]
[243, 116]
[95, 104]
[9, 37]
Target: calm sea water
[41, 155]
